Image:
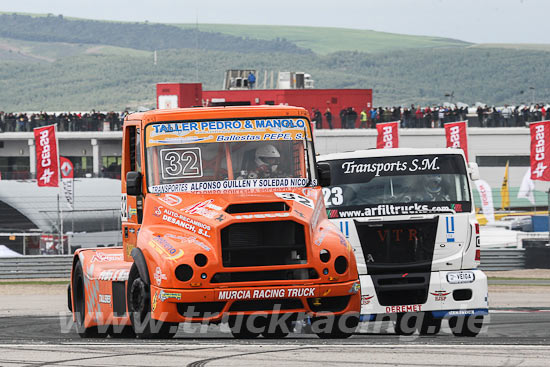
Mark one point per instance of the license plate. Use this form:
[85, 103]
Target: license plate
[460, 277]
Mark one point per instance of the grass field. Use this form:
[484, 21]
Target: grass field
[327, 40]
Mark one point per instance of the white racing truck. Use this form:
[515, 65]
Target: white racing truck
[409, 215]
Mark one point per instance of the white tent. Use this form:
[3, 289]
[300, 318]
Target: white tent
[6, 252]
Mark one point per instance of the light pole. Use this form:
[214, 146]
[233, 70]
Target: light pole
[450, 95]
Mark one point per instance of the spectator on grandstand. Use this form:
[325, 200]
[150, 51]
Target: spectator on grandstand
[374, 117]
[386, 115]
[419, 117]
[480, 116]
[406, 117]
[495, 118]
[507, 116]
[516, 116]
[251, 80]
[364, 120]
[428, 121]
[328, 117]
[396, 113]
[343, 118]
[351, 117]
[538, 112]
[317, 118]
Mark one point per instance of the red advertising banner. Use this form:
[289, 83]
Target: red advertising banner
[47, 161]
[455, 133]
[388, 135]
[540, 150]
[67, 170]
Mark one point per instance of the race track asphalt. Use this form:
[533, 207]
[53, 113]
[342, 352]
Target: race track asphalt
[512, 337]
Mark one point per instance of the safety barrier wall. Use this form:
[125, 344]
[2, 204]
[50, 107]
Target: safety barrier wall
[35, 267]
[502, 259]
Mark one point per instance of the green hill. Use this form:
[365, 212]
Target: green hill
[324, 40]
[141, 36]
[115, 78]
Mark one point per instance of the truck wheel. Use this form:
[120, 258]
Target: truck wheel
[122, 332]
[430, 325]
[239, 328]
[79, 296]
[139, 307]
[469, 326]
[334, 327]
[405, 324]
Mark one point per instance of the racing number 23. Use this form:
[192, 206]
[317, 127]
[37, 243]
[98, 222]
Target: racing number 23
[333, 196]
[181, 163]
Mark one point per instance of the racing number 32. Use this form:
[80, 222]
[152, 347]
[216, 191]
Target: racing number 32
[181, 163]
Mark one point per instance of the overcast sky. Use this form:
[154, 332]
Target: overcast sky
[479, 21]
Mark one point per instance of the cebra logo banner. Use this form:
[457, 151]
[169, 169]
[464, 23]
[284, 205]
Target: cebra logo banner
[486, 196]
[456, 136]
[47, 160]
[227, 131]
[540, 150]
[388, 135]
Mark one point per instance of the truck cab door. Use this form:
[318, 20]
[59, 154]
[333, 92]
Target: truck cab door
[132, 205]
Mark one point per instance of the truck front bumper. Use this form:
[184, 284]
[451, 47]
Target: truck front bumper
[449, 293]
[212, 304]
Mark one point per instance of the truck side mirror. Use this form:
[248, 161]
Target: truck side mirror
[323, 172]
[474, 171]
[133, 183]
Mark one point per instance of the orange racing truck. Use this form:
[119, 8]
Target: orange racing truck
[223, 220]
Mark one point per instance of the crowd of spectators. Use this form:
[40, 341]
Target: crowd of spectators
[69, 121]
[437, 116]
[348, 118]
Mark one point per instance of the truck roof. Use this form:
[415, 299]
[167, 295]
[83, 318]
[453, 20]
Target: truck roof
[209, 113]
[367, 153]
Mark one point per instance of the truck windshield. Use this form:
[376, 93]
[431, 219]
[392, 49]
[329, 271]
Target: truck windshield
[401, 185]
[183, 157]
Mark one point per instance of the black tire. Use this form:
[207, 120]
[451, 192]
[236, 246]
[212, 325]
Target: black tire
[239, 330]
[139, 308]
[122, 332]
[79, 295]
[335, 328]
[469, 326]
[406, 324]
[429, 325]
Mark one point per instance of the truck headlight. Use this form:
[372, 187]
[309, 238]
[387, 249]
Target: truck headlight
[324, 255]
[184, 273]
[341, 264]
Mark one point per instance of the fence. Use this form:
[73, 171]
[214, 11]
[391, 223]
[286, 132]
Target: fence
[35, 267]
[502, 259]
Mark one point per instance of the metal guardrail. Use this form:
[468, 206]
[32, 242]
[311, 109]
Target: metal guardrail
[502, 259]
[35, 267]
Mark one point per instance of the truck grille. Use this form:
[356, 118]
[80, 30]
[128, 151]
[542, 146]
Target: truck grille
[401, 289]
[263, 243]
[398, 246]
[257, 207]
[256, 276]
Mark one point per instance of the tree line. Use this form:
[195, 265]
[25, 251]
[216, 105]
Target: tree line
[141, 36]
